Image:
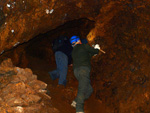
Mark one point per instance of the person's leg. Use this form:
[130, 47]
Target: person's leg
[54, 74]
[62, 67]
[89, 91]
[87, 95]
[83, 76]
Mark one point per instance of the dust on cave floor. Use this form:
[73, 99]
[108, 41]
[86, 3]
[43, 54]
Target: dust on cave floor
[62, 97]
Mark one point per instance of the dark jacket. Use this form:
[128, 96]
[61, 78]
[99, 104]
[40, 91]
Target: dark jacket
[82, 54]
[67, 49]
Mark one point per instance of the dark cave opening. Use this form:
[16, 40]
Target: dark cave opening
[40, 46]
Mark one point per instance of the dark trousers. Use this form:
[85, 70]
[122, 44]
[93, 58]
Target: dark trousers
[84, 88]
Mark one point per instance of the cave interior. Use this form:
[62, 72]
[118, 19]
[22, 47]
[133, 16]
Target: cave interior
[120, 78]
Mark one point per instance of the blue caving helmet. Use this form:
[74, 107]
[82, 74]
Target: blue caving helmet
[74, 39]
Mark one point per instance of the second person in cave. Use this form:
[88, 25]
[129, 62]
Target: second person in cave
[62, 50]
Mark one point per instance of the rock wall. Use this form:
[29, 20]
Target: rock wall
[121, 76]
[21, 92]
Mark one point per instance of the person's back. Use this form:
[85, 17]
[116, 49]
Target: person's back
[66, 48]
[82, 54]
[63, 45]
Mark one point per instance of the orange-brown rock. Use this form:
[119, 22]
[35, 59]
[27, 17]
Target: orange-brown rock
[22, 20]
[120, 77]
[16, 94]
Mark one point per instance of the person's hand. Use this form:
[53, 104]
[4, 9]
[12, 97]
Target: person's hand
[97, 46]
[95, 54]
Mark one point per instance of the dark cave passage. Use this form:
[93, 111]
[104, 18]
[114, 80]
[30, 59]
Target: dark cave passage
[40, 46]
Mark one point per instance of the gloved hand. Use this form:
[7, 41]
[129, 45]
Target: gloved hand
[97, 46]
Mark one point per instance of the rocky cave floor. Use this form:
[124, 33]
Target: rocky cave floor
[62, 97]
[55, 100]
[111, 95]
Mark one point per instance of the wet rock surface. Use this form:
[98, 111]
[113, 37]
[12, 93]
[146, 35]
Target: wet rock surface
[21, 92]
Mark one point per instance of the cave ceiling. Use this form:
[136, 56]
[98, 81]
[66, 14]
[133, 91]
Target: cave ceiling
[22, 20]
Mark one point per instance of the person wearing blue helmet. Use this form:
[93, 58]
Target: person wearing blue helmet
[74, 40]
[81, 55]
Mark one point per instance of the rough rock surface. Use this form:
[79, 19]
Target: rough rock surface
[120, 77]
[21, 92]
[22, 20]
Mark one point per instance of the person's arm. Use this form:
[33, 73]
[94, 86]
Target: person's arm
[91, 50]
